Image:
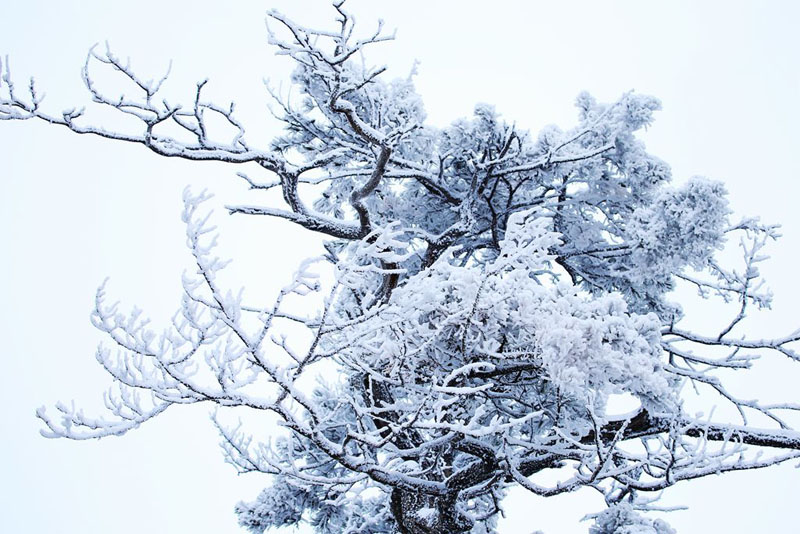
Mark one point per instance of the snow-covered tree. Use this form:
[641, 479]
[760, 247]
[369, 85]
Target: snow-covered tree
[482, 295]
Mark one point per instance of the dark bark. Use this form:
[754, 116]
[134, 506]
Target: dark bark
[643, 424]
[446, 519]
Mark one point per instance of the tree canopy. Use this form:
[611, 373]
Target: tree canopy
[491, 290]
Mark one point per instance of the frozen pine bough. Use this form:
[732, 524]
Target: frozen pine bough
[490, 292]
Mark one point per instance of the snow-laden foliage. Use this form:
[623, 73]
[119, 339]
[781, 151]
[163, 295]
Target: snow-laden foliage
[623, 519]
[491, 292]
[286, 504]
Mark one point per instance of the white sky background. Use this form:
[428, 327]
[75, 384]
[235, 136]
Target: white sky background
[74, 210]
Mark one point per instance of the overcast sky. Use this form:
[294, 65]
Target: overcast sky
[75, 210]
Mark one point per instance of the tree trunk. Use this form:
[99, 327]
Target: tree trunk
[416, 513]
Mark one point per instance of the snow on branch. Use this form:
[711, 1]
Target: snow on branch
[492, 291]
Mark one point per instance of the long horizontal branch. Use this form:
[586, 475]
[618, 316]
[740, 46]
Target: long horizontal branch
[317, 223]
[778, 344]
[163, 146]
[543, 162]
[643, 425]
